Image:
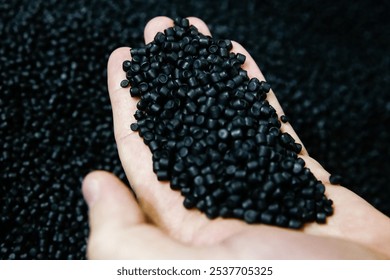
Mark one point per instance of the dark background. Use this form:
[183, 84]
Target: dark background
[327, 62]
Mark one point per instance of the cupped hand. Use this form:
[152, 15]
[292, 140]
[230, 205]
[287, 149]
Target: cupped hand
[155, 225]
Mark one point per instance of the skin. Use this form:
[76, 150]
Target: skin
[155, 225]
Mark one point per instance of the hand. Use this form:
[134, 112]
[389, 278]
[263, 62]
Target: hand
[156, 225]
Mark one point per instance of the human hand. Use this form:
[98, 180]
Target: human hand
[156, 225]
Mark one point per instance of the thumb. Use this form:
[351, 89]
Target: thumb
[118, 229]
[111, 204]
[112, 209]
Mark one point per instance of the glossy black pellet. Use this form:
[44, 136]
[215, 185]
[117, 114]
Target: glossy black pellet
[198, 180]
[223, 134]
[335, 179]
[284, 119]
[189, 202]
[308, 192]
[281, 220]
[135, 68]
[247, 204]
[328, 210]
[134, 126]
[124, 83]
[126, 65]
[321, 218]
[295, 224]
[224, 212]
[297, 168]
[241, 58]
[251, 216]
[253, 85]
[238, 213]
[212, 212]
[200, 190]
[153, 145]
[265, 86]
[266, 218]
[237, 133]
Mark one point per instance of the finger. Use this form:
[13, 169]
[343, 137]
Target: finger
[156, 199]
[200, 24]
[112, 209]
[117, 225]
[253, 71]
[147, 242]
[134, 154]
[123, 107]
[111, 204]
[155, 25]
[279, 243]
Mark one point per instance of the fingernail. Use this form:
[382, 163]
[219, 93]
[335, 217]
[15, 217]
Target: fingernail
[91, 191]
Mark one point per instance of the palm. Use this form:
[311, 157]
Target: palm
[164, 206]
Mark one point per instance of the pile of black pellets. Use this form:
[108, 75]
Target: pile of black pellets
[327, 64]
[214, 135]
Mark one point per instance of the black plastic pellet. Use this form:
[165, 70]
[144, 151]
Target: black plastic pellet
[135, 68]
[231, 170]
[212, 212]
[198, 180]
[237, 133]
[253, 84]
[162, 78]
[193, 171]
[156, 166]
[229, 113]
[238, 213]
[265, 86]
[335, 179]
[189, 202]
[295, 224]
[125, 83]
[321, 218]
[308, 192]
[320, 188]
[284, 119]
[126, 65]
[191, 107]
[200, 190]
[134, 92]
[153, 146]
[241, 174]
[281, 220]
[328, 210]
[215, 112]
[183, 152]
[192, 81]
[134, 126]
[224, 212]
[247, 204]
[251, 216]
[266, 218]
[143, 87]
[241, 58]
[223, 134]
[297, 168]
[211, 180]
[162, 175]
[178, 167]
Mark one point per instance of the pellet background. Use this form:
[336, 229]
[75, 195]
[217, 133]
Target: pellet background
[327, 63]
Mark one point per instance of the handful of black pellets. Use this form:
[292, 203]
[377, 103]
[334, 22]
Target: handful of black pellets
[214, 135]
